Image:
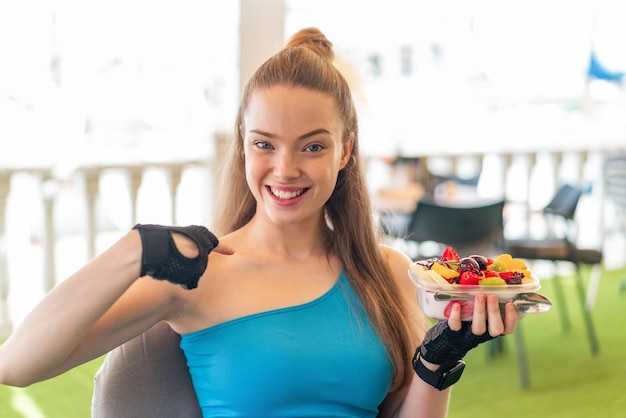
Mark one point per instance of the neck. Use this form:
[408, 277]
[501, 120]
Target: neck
[292, 241]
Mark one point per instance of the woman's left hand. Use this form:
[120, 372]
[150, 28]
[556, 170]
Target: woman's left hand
[449, 341]
[487, 316]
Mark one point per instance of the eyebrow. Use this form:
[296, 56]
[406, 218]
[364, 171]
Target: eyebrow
[304, 136]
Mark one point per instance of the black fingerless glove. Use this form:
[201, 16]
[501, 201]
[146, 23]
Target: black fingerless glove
[443, 346]
[162, 260]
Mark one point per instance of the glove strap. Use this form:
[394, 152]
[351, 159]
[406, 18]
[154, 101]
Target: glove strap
[443, 377]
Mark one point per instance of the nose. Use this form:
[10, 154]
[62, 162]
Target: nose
[286, 166]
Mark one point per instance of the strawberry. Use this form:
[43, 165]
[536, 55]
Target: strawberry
[450, 254]
[490, 273]
[469, 278]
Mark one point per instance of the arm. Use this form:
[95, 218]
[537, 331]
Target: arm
[44, 343]
[99, 307]
[487, 323]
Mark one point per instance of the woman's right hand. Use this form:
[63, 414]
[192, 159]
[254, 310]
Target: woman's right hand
[178, 254]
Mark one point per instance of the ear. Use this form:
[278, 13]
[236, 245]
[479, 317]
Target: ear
[346, 151]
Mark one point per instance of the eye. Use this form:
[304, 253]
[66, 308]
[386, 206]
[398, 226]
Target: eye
[263, 145]
[314, 148]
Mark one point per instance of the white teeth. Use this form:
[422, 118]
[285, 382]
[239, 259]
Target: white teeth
[283, 195]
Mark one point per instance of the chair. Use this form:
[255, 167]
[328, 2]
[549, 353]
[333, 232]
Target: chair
[561, 247]
[614, 171]
[145, 377]
[435, 180]
[471, 228]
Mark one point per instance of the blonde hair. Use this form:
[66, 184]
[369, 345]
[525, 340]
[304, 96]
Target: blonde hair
[306, 62]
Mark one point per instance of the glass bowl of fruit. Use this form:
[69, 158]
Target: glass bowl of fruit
[450, 279]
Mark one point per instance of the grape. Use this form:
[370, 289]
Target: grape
[497, 265]
[469, 264]
[481, 260]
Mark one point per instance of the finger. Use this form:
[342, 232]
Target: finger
[454, 320]
[479, 318]
[224, 249]
[494, 317]
[510, 318]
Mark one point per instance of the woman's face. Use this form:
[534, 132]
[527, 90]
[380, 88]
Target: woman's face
[293, 152]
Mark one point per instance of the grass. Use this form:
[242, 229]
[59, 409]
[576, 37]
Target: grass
[565, 379]
[66, 396]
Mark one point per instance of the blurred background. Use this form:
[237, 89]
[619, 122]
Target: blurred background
[115, 112]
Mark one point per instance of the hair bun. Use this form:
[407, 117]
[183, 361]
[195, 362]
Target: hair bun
[314, 39]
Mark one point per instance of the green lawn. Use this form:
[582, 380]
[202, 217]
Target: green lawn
[66, 396]
[566, 380]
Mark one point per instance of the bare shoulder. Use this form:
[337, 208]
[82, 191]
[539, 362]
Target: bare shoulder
[398, 263]
[394, 255]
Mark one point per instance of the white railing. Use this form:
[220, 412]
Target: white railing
[49, 187]
[83, 217]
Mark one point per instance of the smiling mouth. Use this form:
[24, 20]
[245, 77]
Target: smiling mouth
[286, 195]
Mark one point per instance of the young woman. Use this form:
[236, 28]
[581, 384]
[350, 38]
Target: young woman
[300, 312]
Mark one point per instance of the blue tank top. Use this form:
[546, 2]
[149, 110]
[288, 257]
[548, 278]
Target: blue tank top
[321, 358]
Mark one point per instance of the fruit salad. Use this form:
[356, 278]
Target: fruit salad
[453, 275]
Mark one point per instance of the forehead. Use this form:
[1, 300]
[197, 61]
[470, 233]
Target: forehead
[283, 107]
